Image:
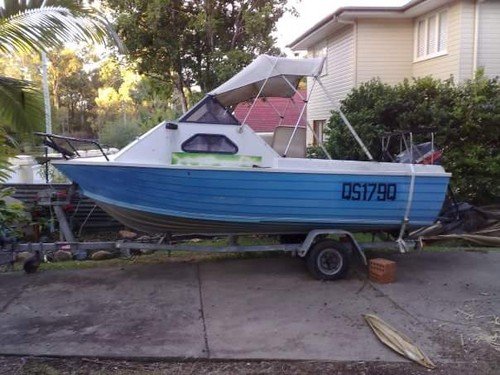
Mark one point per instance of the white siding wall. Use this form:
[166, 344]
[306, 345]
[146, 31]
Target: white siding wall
[444, 66]
[467, 15]
[339, 79]
[489, 38]
[384, 50]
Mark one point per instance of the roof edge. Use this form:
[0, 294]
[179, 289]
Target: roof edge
[335, 15]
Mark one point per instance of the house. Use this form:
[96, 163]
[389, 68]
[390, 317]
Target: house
[266, 114]
[274, 120]
[440, 38]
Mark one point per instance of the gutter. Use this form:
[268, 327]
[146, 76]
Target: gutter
[319, 25]
[334, 17]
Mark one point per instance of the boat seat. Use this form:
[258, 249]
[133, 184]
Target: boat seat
[281, 137]
[215, 160]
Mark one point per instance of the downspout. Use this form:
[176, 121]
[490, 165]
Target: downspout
[475, 52]
[342, 116]
[355, 31]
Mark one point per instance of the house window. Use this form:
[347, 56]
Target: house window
[211, 143]
[318, 128]
[431, 34]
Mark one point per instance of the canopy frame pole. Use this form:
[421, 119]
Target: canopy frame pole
[315, 136]
[293, 87]
[260, 91]
[280, 115]
[298, 120]
[346, 121]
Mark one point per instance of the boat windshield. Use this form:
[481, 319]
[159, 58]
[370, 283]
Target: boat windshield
[210, 111]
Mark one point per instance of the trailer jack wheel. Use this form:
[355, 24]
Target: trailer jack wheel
[328, 260]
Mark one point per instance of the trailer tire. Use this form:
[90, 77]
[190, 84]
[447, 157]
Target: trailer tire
[328, 260]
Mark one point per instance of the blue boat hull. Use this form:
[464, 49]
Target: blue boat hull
[189, 200]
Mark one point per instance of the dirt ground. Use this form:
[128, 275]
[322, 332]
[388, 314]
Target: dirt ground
[92, 366]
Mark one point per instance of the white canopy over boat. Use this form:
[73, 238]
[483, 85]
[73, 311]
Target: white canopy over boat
[267, 76]
[271, 76]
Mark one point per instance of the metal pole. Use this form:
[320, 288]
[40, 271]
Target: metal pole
[45, 88]
[298, 120]
[320, 142]
[432, 147]
[260, 91]
[411, 147]
[346, 121]
[46, 95]
[280, 115]
[46, 165]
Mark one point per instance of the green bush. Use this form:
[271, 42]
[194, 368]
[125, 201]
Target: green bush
[467, 118]
[12, 213]
[119, 134]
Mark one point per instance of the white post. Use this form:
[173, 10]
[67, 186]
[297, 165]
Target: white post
[45, 88]
[46, 95]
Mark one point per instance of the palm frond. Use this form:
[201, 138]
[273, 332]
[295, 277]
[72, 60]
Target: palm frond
[44, 28]
[6, 151]
[10, 7]
[21, 105]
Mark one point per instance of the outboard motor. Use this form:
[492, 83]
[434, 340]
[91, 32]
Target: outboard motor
[423, 153]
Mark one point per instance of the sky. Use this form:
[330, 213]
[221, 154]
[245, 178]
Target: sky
[313, 11]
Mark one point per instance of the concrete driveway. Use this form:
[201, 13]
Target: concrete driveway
[266, 308]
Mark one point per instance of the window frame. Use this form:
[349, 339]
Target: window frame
[185, 116]
[320, 126]
[210, 152]
[438, 15]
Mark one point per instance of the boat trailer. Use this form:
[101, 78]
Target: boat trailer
[327, 252]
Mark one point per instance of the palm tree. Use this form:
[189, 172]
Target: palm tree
[37, 25]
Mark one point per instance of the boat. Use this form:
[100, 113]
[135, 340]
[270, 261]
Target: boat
[207, 172]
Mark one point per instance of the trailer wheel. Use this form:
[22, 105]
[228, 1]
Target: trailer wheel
[328, 260]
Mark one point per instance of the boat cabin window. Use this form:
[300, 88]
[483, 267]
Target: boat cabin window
[210, 111]
[210, 143]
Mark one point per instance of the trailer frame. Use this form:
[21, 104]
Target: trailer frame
[348, 245]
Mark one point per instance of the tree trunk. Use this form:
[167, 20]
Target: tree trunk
[179, 90]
